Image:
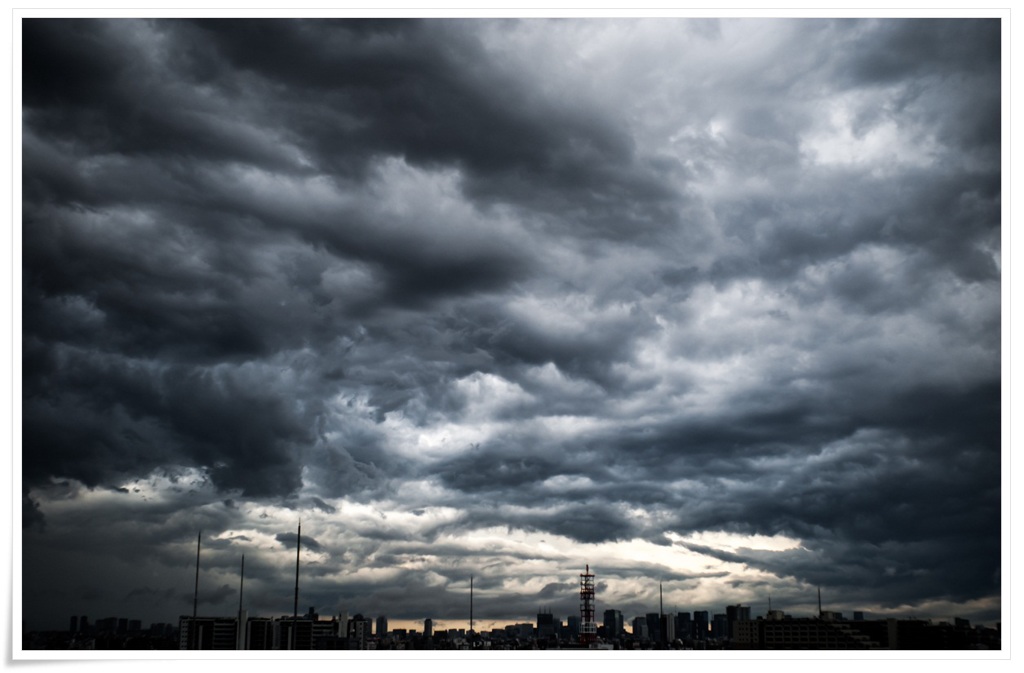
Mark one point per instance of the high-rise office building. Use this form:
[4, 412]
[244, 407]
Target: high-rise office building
[545, 625]
[736, 613]
[613, 624]
[700, 624]
[668, 628]
[684, 626]
[382, 626]
[654, 626]
[358, 632]
[720, 626]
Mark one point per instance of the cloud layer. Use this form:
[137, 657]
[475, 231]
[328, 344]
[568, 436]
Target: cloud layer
[710, 302]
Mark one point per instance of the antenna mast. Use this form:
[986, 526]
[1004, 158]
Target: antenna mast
[295, 613]
[588, 629]
[195, 596]
[241, 587]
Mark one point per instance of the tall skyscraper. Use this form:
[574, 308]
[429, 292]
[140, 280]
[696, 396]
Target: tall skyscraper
[684, 626]
[700, 624]
[668, 628]
[736, 613]
[653, 626]
[720, 626]
[382, 626]
[545, 624]
[613, 624]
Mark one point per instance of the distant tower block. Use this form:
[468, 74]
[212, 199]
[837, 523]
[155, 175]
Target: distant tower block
[588, 627]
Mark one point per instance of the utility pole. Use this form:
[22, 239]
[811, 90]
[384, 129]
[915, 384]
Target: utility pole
[192, 634]
[295, 613]
[241, 586]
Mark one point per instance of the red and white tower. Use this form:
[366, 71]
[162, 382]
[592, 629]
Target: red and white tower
[588, 628]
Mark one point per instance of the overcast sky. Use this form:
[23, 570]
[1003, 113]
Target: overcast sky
[708, 303]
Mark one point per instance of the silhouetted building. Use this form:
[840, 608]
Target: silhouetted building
[684, 626]
[208, 633]
[259, 634]
[700, 624]
[668, 628]
[382, 626]
[545, 625]
[787, 633]
[428, 628]
[736, 613]
[295, 634]
[358, 632]
[653, 626]
[720, 626]
[613, 624]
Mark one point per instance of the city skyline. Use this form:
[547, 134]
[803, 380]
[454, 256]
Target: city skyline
[472, 623]
[706, 304]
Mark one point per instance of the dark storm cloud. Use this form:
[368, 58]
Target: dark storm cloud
[903, 48]
[474, 272]
[132, 419]
[430, 92]
[291, 540]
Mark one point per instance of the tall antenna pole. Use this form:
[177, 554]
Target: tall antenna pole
[295, 614]
[819, 601]
[195, 597]
[662, 626]
[241, 587]
[588, 629]
[242, 584]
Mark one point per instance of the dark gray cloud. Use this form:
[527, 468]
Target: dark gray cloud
[502, 298]
[292, 540]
